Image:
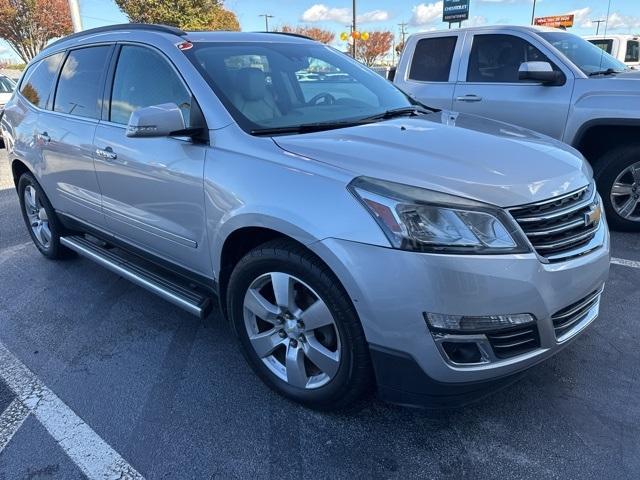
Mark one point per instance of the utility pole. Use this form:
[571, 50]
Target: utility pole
[354, 29]
[533, 13]
[403, 30]
[266, 20]
[598, 22]
[76, 20]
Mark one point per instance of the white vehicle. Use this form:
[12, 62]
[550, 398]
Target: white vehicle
[7, 86]
[625, 48]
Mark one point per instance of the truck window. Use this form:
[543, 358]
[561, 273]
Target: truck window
[432, 59]
[633, 51]
[497, 58]
[604, 44]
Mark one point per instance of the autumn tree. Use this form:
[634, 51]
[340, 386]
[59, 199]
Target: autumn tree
[185, 14]
[399, 48]
[373, 49]
[318, 34]
[27, 25]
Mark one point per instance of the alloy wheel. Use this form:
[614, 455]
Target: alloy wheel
[625, 193]
[37, 215]
[292, 330]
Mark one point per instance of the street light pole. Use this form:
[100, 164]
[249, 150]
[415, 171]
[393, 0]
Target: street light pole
[76, 20]
[266, 20]
[354, 29]
[533, 13]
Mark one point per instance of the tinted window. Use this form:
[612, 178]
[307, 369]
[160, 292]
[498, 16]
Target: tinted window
[144, 78]
[497, 58]
[79, 89]
[633, 51]
[432, 59]
[38, 81]
[606, 45]
[586, 56]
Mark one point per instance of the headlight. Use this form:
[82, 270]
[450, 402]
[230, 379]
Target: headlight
[417, 219]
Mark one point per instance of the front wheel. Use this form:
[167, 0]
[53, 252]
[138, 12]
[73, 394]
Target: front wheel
[297, 326]
[618, 176]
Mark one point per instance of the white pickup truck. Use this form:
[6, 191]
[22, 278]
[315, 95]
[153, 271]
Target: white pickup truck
[543, 79]
[625, 48]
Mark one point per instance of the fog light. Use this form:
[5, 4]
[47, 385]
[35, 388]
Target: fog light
[462, 352]
[466, 324]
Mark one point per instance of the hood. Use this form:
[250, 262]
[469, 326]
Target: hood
[463, 155]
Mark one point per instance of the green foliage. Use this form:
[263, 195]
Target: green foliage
[185, 14]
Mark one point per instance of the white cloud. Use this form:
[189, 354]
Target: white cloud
[321, 13]
[626, 22]
[475, 21]
[583, 18]
[426, 13]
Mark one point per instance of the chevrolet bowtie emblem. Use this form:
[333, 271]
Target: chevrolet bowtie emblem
[592, 217]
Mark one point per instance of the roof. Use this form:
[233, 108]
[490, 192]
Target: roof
[521, 28]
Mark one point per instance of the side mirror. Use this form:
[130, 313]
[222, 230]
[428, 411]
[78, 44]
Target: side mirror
[541, 72]
[156, 121]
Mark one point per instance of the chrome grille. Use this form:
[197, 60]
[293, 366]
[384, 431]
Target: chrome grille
[569, 317]
[514, 341]
[558, 228]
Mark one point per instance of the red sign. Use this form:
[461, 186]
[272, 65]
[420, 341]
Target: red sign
[557, 21]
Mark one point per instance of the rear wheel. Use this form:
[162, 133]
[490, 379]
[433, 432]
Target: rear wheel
[618, 176]
[297, 327]
[40, 218]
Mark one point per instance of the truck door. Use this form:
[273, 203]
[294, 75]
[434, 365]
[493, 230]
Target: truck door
[429, 67]
[488, 83]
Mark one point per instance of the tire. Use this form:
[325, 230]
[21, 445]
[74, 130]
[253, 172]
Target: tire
[309, 281]
[614, 168]
[39, 210]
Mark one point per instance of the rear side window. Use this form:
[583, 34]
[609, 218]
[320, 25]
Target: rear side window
[38, 80]
[606, 45]
[497, 58]
[633, 51]
[432, 59]
[80, 86]
[144, 78]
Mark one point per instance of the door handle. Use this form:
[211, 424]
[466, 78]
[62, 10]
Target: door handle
[43, 137]
[106, 153]
[469, 98]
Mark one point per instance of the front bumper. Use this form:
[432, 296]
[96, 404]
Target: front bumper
[391, 290]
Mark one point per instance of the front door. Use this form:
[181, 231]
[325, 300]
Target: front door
[152, 188]
[488, 84]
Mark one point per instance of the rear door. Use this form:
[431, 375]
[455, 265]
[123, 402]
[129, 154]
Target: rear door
[152, 188]
[488, 83]
[67, 131]
[430, 68]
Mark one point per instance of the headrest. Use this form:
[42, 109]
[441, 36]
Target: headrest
[251, 83]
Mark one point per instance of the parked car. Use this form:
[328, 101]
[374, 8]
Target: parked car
[7, 86]
[625, 48]
[544, 79]
[349, 235]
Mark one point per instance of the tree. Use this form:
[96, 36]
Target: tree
[373, 49]
[27, 25]
[185, 14]
[318, 34]
[399, 48]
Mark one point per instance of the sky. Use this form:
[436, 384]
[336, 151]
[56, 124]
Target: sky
[335, 15]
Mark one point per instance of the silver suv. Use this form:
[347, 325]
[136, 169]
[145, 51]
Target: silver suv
[352, 236]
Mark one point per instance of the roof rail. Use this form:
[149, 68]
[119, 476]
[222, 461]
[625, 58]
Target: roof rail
[123, 26]
[290, 34]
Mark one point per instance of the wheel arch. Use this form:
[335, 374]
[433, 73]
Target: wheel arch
[596, 137]
[19, 168]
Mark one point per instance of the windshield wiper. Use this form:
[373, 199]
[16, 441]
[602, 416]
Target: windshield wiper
[304, 128]
[608, 71]
[398, 112]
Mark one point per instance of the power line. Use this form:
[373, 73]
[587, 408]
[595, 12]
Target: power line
[266, 20]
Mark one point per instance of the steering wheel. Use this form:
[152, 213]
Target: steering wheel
[327, 99]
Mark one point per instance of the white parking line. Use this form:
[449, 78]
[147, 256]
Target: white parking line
[11, 420]
[625, 263]
[85, 448]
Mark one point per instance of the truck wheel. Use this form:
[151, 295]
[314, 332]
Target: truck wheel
[40, 218]
[618, 176]
[297, 326]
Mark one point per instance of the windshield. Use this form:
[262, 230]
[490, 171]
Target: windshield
[586, 56]
[6, 85]
[285, 85]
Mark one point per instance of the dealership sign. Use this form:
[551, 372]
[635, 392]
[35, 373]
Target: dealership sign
[455, 10]
[557, 21]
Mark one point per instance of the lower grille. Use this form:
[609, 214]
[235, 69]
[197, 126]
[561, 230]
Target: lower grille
[562, 227]
[569, 317]
[514, 341]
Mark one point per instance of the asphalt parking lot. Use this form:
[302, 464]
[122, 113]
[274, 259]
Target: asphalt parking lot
[101, 378]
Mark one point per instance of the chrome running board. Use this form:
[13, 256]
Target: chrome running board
[180, 295]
